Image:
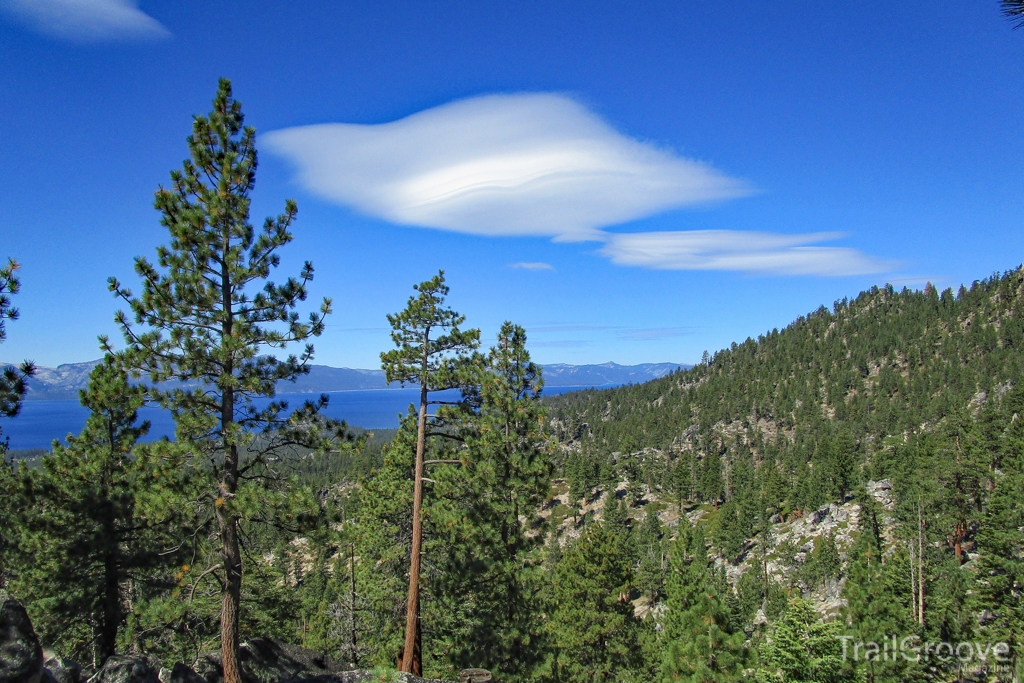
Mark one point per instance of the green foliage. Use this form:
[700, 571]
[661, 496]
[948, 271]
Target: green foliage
[591, 626]
[1001, 562]
[492, 562]
[90, 526]
[802, 649]
[702, 644]
[12, 380]
[878, 599]
[432, 352]
[205, 321]
[824, 562]
[652, 565]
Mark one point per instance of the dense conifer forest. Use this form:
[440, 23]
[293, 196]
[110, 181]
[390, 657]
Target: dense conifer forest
[797, 507]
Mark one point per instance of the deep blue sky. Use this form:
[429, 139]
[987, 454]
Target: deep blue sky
[894, 124]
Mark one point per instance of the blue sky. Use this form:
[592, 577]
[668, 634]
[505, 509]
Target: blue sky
[633, 182]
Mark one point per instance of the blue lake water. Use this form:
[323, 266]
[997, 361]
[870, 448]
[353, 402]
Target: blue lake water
[40, 422]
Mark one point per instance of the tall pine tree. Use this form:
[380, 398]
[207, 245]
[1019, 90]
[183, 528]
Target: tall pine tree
[208, 317]
[435, 354]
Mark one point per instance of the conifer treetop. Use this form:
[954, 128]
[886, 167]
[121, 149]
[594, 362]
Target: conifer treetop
[437, 362]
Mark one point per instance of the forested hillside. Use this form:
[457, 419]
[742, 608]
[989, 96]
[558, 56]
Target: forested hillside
[915, 396]
[835, 389]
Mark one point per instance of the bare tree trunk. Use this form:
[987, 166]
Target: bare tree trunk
[913, 583]
[411, 656]
[352, 606]
[920, 565]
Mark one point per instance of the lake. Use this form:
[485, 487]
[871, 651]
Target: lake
[40, 422]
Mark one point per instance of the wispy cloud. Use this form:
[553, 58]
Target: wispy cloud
[524, 265]
[86, 20]
[652, 333]
[521, 164]
[754, 252]
[562, 344]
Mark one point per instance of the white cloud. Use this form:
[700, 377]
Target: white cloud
[542, 165]
[532, 265]
[756, 252]
[86, 20]
[522, 164]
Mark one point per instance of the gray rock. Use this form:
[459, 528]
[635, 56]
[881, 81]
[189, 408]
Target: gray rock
[21, 657]
[362, 676]
[819, 515]
[181, 673]
[63, 670]
[120, 669]
[263, 660]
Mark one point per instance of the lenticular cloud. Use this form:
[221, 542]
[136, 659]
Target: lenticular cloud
[86, 20]
[752, 252]
[525, 164]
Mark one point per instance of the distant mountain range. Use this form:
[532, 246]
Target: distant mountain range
[64, 381]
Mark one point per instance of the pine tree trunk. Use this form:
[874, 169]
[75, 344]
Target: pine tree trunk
[107, 636]
[352, 606]
[230, 598]
[231, 595]
[108, 631]
[411, 655]
[920, 566]
[913, 583]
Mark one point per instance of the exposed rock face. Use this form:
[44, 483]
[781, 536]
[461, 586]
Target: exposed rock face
[21, 657]
[119, 669]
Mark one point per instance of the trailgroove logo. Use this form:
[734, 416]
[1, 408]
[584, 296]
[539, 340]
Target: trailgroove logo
[911, 649]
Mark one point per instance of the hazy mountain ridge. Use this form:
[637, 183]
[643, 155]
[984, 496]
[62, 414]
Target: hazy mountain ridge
[64, 381]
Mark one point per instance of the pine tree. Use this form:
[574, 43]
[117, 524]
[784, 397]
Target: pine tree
[12, 389]
[1001, 565]
[702, 645]
[802, 649]
[876, 599]
[591, 621]
[382, 530]
[651, 565]
[507, 477]
[203, 325]
[436, 355]
[12, 380]
[84, 530]
[729, 534]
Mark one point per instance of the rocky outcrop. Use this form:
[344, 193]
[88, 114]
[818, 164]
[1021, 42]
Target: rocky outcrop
[263, 660]
[181, 673]
[363, 676]
[21, 657]
[119, 669]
